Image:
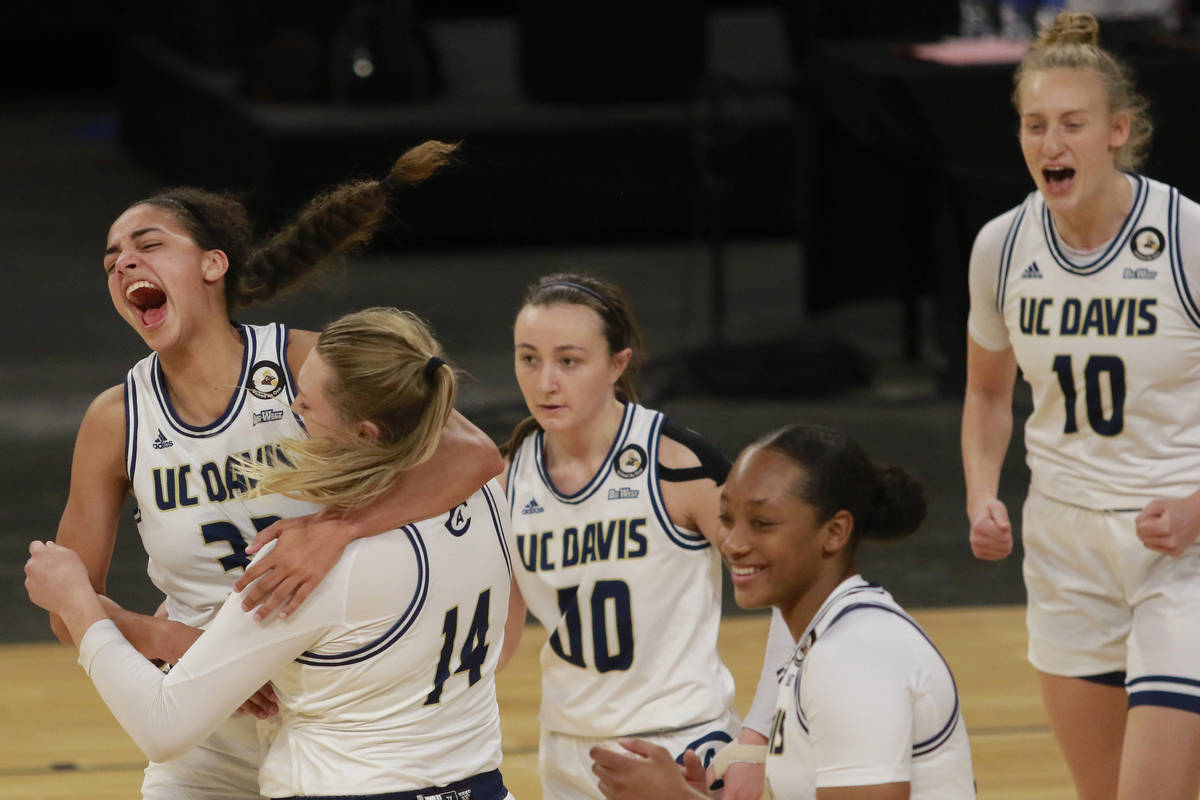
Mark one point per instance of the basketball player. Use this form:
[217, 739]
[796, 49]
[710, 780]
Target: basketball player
[867, 707]
[385, 676]
[1089, 286]
[177, 265]
[612, 506]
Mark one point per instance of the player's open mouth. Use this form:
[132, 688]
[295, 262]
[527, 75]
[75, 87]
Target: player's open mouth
[149, 301]
[1058, 179]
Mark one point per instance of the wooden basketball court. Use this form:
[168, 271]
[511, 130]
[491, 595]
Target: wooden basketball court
[57, 740]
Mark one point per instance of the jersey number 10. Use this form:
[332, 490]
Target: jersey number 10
[1095, 367]
[603, 592]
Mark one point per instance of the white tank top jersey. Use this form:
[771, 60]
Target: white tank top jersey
[385, 674]
[632, 602]
[1109, 341]
[867, 699]
[192, 514]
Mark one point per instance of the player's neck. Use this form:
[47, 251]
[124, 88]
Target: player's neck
[585, 446]
[805, 608]
[1093, 224]
[203, 373]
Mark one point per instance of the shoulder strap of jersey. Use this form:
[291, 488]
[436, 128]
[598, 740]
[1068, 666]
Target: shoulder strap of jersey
[713, 463]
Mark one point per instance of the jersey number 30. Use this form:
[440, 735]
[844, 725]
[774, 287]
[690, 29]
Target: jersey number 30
[1096, 366]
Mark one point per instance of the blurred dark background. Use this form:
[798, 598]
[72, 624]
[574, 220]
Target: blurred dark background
[787, 193]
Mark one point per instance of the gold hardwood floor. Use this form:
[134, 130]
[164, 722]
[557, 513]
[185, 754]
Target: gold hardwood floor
[57, 740]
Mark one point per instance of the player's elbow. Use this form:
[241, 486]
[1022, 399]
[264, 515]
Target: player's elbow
[166, 745]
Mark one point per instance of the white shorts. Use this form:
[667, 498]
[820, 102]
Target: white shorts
[222, 767]
[566, 768]
[1101, 603]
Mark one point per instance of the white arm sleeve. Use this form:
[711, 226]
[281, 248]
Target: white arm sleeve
[857, 694]
[167, 715]
[985, 323]
[779, 649]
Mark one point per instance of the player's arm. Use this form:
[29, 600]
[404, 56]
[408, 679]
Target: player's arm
[691, 471]
[987, 423]
[166, 715]
[514, 626]
[90, 518]
[1171, 524]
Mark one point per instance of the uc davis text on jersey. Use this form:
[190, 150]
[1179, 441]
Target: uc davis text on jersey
[616, 539]
[185, 485]
[1101, 316]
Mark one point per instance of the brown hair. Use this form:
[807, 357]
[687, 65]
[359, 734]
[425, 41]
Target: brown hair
[1073, 42]
[330, 225]
[620, 328]
[380, 359]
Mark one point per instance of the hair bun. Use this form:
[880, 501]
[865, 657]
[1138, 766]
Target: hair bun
[1071, 27]
[901, 505]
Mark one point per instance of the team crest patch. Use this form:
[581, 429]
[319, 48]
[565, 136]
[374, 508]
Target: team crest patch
[1147, 243]
[631, 461]
[265, 380]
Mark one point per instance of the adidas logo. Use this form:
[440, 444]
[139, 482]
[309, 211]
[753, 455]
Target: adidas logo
[1032, 271]
[161, 442]
[532, 507]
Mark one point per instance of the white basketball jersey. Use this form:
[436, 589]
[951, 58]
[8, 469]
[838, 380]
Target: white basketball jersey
[632, 602]
[1111, 348]
[878, 706]
[400, 692]
[192, 513]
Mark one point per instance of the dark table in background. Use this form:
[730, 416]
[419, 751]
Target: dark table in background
[912, 157]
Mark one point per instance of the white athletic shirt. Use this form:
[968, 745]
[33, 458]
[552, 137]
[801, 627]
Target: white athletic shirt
[632, 602]
[385, 674]
[1109, 341]
[867, 699]
[191, 513]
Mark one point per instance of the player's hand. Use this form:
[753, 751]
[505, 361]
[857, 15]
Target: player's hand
[991, 532]
[744, 781]
[262, 703]
[55, 576]
[307, 549]
[1169, 525]
[647, 772]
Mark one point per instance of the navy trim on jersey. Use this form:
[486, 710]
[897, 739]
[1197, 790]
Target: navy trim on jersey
[282, 333]
[938, 739]
[397, 630]
[509, 491]
[131, 425]
[688, 540]
[499, 526]
[597, 479]
[1114, 247]
[218, 426]
[1177, 272]
[1006, 257]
